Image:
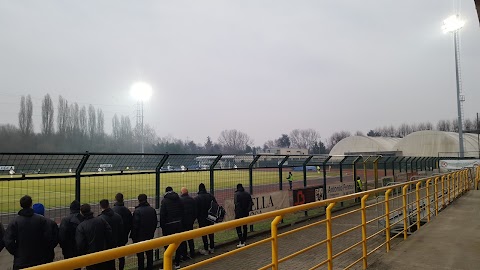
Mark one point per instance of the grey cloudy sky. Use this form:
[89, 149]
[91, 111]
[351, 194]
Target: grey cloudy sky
[262, 67]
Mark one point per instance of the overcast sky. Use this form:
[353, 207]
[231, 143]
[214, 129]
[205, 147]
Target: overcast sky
[262, 67]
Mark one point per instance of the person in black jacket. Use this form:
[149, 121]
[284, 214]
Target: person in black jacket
[126, 215]
[171, 214]
[26, 236]
[67, 230]
[143, 228]
[39, 209]
[93, 235]
[203, 201]
[189, 216]
[2, 233]
[243, 206]
[114, 220]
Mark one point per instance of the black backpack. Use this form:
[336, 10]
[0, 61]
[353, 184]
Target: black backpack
[216, 213]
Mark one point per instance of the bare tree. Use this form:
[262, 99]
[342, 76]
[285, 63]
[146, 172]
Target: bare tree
[268, 144]
[47, 115]
[126, 134]
[404, 130]
[359, 133]
[75, 118]
[336, 137]
[62, 116]
[100, 123]
[92, 122]
[304, 138]
[468, 124]
[455, 125]
[25, 121]
[115, 127]
[234, 141]
[83, 122]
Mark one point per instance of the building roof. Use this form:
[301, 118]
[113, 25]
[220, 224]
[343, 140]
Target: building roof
[364, 144]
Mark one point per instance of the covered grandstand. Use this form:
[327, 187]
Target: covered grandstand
[426, 143]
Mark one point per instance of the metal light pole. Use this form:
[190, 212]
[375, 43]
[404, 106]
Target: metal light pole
[141, 92]
[453, 24]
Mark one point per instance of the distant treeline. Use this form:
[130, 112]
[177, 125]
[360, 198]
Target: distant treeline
[72, 128]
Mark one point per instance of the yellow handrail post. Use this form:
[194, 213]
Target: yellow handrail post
[167, 256]
[443, 191]
[364, 230]
[448, 187]
[428, 199]
[455, 185]
[387, 219]
[417, 200]
[436, 194]
[274, 230]
[405, 224]
[329, 235]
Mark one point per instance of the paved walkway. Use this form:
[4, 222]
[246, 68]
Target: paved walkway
[451, 241]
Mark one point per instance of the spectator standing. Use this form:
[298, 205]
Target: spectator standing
[68, 227]
[243, 206]
[93, 235]
[26, 236]
[39, 209]
[143, 228]
[290, 180]
[114, 220]
[359, 184]
[189, 216]
[171, 213]
[204, 201]
[126, 215]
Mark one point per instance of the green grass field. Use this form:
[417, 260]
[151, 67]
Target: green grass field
[58, 193]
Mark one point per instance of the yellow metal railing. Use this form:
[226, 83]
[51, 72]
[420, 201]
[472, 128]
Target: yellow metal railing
[414, 203]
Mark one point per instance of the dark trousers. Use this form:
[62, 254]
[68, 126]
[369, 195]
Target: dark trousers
[211, 237]
[121, 261]
[172, 228]
[191, 244]
[290, 184]
[141, 260]
[109, 265]
[242, 236]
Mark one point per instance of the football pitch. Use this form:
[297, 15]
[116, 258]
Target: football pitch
[60, 192]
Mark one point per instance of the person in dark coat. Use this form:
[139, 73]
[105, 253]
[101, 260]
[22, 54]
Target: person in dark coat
[189, 216]
[39, 209]
[243, 206]
[2, 233]
[203, 201]
[26, 235]
[114, 220]
[127, 218]
[171, 214]
[143, 228]
[94, 235]
[67, 230]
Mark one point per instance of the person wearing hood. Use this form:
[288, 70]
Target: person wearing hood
[143, 228]
[243, 206]
[26, 235]
[67, 229]
[39, 209]
[94, 235]
[114, 220]
[171, 214]
[126, 215]
[203, 202]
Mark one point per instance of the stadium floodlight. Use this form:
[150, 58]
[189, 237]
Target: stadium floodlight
[453, 24]
[141, 92]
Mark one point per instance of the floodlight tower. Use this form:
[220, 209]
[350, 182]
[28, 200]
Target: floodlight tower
[453, 24]
[141, 92]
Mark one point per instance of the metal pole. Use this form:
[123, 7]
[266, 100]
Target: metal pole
[459, 106]
[143, 134]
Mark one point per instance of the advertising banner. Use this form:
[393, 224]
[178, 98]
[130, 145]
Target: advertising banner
[262, 203]
[307, 195]
[453, 165]
[340, 189]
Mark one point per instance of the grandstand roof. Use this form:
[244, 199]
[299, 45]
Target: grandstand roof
[359, 144]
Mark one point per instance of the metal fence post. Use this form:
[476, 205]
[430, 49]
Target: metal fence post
[355, 171]
[305, 170]
[78, 175]
[250, 179]
[212, 177]
[324, 165]
[280, 172]
[157, 180]
[393, 165]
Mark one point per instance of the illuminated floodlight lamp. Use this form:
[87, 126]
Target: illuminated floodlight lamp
[141, 91]
[452, 24]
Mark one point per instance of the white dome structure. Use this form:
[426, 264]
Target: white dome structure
[364, 144]
[431, 143]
